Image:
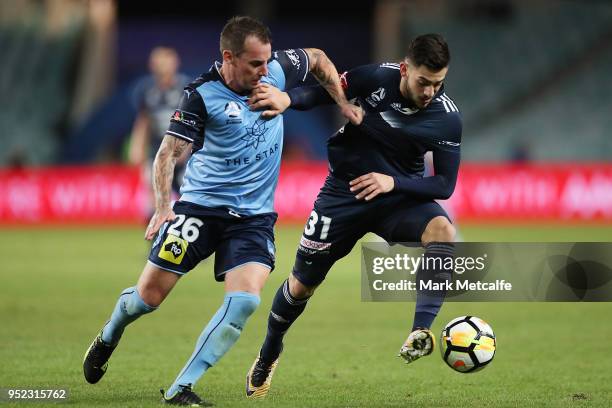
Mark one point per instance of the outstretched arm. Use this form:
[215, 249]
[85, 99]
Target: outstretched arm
[326, 74]
[171, 149]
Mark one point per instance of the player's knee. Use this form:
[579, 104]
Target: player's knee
[151, 295]
[447, 233]
[439, 230]
[134, 305]
[298, 290]
[248, 304]
[151, 298]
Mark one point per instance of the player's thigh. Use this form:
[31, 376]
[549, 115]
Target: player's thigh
[250, 277]
[407, 220]
[182, 243]
[246, 252]
[330, 233]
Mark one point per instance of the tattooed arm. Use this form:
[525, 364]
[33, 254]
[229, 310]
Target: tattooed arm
[171, 149]
[274, 101]
[325, 72]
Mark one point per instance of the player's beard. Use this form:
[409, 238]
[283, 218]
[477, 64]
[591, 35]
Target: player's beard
[414, 101]
[424, 103]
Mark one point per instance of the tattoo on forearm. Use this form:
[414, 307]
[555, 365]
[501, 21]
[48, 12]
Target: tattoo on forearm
[327, 75]
[163, 168]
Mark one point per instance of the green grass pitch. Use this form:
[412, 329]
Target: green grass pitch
[59, 286]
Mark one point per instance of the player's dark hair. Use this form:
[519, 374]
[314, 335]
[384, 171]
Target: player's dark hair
[238, 28]
[430, 50]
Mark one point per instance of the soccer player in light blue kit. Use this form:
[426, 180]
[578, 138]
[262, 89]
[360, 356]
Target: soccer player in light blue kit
[226, 206]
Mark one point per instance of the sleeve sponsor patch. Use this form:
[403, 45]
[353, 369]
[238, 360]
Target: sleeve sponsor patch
[186, 118]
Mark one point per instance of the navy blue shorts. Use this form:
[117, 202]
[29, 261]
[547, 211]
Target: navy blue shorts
[198, 231]
[338, 221]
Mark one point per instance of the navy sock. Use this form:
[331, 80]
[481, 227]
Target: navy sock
[429, 302]
[285, 310]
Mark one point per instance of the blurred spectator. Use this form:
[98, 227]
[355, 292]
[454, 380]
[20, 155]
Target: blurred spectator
[156, 97]
[520, 152]
[17, 158]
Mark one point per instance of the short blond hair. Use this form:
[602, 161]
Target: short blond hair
[238, 28]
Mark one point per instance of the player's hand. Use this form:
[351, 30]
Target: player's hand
[270, 98]
[157, 221]
[353, 113]
[370, 185]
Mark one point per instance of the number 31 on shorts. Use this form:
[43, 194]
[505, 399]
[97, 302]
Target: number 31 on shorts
[312, 222]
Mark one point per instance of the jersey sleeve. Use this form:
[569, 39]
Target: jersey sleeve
[187, 121]
[294, 65]
[448, 137]
[446, 150]
[355, 81]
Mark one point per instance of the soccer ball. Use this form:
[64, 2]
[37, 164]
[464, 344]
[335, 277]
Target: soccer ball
[467, 344]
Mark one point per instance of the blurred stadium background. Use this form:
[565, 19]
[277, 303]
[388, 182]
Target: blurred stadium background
[532, 79]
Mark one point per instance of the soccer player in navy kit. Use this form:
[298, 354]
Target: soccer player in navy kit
[156, 97]
[376, 184]
[226, 206]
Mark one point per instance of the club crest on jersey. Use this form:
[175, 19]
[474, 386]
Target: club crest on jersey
[233, 111]
[406, 111]
[377, 96]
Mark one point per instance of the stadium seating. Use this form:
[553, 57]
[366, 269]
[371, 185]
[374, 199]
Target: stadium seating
[500, 63]
[35, 85]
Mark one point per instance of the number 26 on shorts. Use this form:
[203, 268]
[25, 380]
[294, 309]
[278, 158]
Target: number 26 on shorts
[190, 230]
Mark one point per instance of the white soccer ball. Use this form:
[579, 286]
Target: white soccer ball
[467, 344]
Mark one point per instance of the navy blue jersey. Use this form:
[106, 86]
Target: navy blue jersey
[158, 104]
[394, 136]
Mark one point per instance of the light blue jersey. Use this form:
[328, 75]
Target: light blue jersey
[236, 153]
